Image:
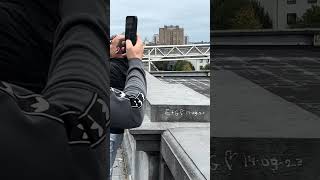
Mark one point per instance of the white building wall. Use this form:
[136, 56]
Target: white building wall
[278, 10]
[197, 63]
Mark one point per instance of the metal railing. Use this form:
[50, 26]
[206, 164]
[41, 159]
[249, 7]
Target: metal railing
[175, 53]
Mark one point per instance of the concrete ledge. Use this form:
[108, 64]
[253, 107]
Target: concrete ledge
[148, 136]
[142, 147]
[304, 31]
[265, 158]
[180, 151]
[175, 102]
[181, 73]
[295, 37]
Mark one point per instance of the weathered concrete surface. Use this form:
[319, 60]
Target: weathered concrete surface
[265, 159]
[259, 135]
[186, 152]
[142, 146]
[175, 103]
[199, 84]
[244, 109]
[264, 37]
[202, 73]
[119, 167]
[168, 106]
[149, 128]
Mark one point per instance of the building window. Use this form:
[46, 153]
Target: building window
[312, 1]
[291, 1]
[291, 18]
[201, 61]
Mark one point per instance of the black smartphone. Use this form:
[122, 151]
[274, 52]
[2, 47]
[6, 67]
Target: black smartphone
[131, 28]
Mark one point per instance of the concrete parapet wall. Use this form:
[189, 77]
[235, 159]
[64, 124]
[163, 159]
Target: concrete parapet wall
[205, 73]
[300, 37]
[142, 148]
[175, 103]
[180, 150]
[168, 106]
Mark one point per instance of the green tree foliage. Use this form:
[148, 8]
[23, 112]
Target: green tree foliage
[246, 18]
[183, 66]
[206, 67]
[223, 11]
[225, 15]
[162, 65]
[311, 18]
[262, 15]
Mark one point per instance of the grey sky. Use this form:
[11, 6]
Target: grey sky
[192, 15]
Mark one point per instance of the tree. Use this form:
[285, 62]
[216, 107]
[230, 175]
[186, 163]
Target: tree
[225, 12]
[162, 65]
[246, 19]
[183, 66]
[264, 17]
[311, 18]
[206, 67]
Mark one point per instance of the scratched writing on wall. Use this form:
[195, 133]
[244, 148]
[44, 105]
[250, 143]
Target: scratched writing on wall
[183, 112]
[250, 161]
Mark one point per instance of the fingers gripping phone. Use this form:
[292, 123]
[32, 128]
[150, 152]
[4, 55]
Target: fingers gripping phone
[131, 29]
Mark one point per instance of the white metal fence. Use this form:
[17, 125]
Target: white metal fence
[175, 53]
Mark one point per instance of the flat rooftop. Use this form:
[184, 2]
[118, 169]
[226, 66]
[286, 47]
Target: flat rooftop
[198, 84]
[295, 79]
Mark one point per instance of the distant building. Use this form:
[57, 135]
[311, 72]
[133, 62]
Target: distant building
[171, 35]
[146, 41]
[186, 39]
[155, 39]
[286, 12]
[199, 64]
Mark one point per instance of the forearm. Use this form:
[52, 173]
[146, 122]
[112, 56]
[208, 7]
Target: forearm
[127, 107]
[79, 67]
[136, 80]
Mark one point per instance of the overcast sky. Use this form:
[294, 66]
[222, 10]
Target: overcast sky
[192, 15]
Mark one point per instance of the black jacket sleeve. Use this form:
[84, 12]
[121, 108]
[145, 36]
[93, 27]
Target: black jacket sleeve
[77, 81]
[127, 106]
[79, 66]
[62, 132]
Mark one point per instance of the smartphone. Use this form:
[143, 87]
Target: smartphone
[131, 28]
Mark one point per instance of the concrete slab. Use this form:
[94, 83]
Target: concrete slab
[265, 158]
[162, 93]
[186, 152]
[160, 127]
[175, 102]
[148, 136]
[199, 84]
[259, 135]
[244, 109]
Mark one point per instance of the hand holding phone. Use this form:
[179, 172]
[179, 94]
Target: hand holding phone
[131, 29]
[134, 51]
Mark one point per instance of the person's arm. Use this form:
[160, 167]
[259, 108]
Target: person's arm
[77, 81]
[127, 106]
[79, 67]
